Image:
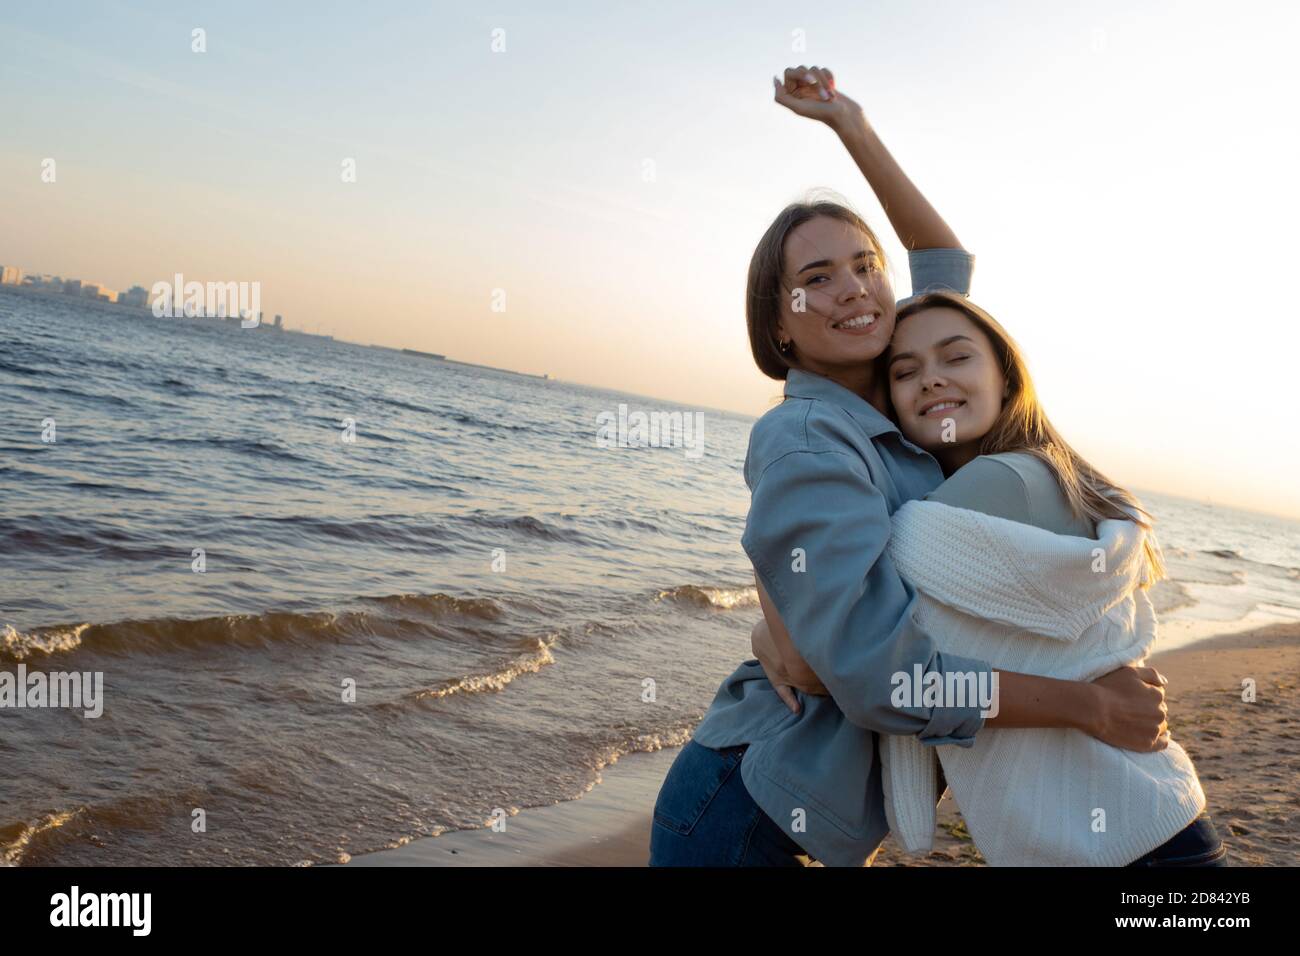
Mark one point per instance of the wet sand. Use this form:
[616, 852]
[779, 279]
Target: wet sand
[1247, 756]
[609, 826]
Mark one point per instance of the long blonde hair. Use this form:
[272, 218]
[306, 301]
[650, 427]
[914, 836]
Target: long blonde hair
[1023, 426]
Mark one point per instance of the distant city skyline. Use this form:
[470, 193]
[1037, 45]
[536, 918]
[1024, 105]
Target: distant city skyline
[17, 276]
[137, 296]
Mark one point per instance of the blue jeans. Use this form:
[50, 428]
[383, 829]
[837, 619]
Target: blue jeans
[704, 816]
[1197, 844]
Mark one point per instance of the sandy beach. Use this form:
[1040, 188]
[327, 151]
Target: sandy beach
[1247, 755]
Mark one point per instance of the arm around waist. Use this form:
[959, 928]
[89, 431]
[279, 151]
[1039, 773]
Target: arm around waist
[817, 535]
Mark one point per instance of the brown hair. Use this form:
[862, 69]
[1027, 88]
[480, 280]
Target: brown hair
[766, 288]
[1022, 425]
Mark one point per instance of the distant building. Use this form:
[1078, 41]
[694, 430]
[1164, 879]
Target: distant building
[72, 287]
[93, 290]
[136, 296]
[44, 282]
[11, 275]
[279, 321]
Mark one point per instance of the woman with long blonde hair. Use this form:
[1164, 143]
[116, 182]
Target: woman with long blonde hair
[1004, 558]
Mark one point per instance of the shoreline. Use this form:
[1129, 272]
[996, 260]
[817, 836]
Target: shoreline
[608, 826]
[1249, 779]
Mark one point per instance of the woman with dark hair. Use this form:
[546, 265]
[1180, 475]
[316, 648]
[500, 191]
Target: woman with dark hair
[762, 785]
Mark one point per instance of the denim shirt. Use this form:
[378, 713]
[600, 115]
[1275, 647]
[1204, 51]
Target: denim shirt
[825, 471]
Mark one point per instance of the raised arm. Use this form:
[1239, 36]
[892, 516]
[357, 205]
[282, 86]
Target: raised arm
[810, 92]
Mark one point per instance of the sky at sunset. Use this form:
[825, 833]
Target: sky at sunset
[1124, 173]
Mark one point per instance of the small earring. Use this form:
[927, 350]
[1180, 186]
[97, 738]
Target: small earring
[785, 347]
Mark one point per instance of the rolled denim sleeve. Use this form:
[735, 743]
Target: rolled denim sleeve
[934, 269]
[817, 533]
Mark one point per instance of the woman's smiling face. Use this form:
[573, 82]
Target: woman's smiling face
[942, 367]
[843, 280]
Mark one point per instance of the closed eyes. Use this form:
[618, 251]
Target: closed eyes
[908, 373]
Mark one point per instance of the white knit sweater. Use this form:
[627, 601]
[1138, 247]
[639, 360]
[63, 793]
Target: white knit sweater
[1025, 599]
